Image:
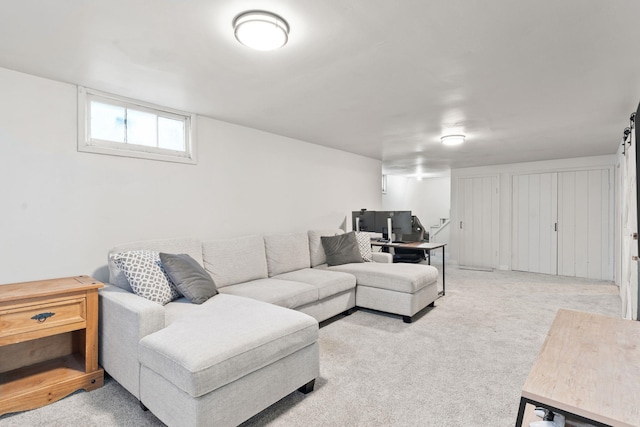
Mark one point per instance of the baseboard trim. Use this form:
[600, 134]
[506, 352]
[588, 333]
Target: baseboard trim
[470, 267]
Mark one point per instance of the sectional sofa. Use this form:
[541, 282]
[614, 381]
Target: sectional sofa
[220, 362]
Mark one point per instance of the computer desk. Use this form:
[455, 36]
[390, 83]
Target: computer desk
[418, 246]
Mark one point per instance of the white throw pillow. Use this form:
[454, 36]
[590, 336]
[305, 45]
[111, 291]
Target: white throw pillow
[146, 275]
[364, 244]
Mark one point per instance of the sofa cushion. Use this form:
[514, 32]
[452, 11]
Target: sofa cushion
[231, 261]
[341, 249]
[189, 246]
[146, 275]
[198, 356]
[284, 293]
[178, 308]
[329, 283]
[189, 277]
[286, 252]
[408, 278]
[316, 251]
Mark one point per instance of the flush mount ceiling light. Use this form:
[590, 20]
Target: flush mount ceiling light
[452, 139]
[261, 30]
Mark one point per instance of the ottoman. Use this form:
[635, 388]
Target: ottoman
[226, 361]
[402, 289]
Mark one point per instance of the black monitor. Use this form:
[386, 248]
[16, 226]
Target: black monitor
[363, 220]
[400, 222]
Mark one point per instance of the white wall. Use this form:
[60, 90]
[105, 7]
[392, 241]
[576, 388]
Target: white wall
[62, 210]
[429, 199]
[505, 174]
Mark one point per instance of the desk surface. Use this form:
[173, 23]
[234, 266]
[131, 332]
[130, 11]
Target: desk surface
[589, 365]
[410, 245]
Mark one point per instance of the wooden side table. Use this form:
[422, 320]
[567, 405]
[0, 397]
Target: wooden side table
[48, 341]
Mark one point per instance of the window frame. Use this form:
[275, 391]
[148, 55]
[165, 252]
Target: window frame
[99, 146]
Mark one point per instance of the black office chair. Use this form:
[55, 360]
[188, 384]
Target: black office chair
[417, 235]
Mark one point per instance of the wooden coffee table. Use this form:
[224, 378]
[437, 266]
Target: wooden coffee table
[588, 370]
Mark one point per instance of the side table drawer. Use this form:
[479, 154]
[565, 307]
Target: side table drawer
[29, 318]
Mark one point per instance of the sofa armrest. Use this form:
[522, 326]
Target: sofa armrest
[384, 257]
[125, 319]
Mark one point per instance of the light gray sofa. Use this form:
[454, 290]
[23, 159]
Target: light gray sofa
[221, 362]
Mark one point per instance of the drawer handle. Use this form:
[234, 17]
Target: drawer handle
[41, 317]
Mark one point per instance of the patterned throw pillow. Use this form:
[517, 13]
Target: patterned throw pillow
[146, 275]
[364, 244]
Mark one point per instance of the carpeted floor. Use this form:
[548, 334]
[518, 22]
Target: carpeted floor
[462, 363]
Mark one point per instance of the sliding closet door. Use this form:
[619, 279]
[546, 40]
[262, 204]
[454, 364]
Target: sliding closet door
[534, 212]
[584, 230]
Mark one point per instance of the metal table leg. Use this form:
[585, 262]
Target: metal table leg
[443, 263]
[523, 404]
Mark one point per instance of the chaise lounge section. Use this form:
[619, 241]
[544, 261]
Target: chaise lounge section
[227, 361]
[403, 289]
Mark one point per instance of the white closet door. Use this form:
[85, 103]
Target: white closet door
[584, 235]
[478, 221]
[534, 237]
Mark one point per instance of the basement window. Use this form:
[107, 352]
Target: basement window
[109, 124]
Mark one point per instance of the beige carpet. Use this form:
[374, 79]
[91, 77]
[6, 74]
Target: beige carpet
[461, 363]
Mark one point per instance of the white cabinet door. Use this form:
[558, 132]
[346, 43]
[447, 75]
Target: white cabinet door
[584, 225]
[534, 212]
[478, 221]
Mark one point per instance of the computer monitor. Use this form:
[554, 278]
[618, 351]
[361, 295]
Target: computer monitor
[363, 220]
[400, 222]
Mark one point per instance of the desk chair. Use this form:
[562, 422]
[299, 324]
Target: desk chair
[417, 235]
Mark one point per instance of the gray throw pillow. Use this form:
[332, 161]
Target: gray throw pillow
[341, 249]
[190, 278]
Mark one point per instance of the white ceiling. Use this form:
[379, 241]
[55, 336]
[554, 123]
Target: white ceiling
[524, 80]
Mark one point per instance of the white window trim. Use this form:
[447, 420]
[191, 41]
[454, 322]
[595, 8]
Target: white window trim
[86, 145]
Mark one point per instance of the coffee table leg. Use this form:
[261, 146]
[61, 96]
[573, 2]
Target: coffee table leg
[523, 404]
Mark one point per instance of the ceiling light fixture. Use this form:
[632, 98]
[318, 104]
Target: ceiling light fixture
[452, 139]
[261, 30]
